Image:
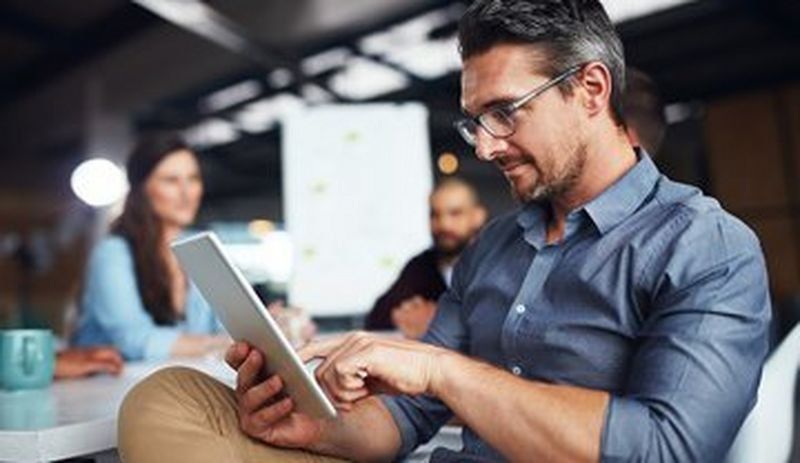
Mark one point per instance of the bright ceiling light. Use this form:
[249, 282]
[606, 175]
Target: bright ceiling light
[408, 44]
[428, 59]
[623, 10]
[99, 182]
[261, 115]
[364, 78]
[280, 78]
[325, 61]
[410, 32]
[201, 19]
[314, 94]
[211, 132]
[231, 96]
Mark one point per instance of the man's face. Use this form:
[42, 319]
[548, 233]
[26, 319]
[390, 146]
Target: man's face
[455, 218]
[545, 156]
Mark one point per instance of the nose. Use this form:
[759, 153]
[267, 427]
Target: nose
[487, 147]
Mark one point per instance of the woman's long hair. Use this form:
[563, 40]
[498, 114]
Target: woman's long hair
[143, 229]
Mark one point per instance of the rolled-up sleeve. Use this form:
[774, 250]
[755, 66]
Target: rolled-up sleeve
[696, 371]
[419, 418]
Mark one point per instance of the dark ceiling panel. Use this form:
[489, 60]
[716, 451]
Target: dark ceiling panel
[69, 15]
[704, 50]
[299, 24]
[18, 51]
[708, 49]
[100, 36]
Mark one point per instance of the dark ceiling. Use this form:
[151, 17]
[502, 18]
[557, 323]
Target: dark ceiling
[699, 51]
[703, 49]
[44, 39]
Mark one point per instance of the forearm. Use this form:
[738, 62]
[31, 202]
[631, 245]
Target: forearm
[524, 420]
[365, 433]
[192, 345]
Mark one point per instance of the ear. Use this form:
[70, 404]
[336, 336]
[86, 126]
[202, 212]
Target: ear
[595, 81]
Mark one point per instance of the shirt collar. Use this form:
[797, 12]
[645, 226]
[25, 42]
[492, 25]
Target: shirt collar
[624, 197]
[612, 206]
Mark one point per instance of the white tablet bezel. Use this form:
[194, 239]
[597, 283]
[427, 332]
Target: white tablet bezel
[246, 319]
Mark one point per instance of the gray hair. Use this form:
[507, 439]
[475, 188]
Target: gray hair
[569, 32]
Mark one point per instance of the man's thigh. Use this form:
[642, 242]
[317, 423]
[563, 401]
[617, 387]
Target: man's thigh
[179, 414]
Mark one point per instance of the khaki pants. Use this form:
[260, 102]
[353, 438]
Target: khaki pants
[182, 415]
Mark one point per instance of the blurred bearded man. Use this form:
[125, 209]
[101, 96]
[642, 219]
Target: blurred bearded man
[410, 303]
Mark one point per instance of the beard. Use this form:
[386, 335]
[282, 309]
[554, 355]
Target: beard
[550, 185]
[452, 248]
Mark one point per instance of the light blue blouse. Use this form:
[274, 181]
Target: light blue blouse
[112, 311]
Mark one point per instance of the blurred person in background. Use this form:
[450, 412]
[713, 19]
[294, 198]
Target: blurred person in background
[135, 296]
[295, 323]
[409, 304]
[645, 122]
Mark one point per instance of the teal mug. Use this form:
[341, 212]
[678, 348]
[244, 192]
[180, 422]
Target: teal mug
[27, 359]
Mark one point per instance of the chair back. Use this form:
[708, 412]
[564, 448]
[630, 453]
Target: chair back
[767, 434]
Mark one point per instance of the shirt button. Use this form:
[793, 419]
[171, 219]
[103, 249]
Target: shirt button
[516, 370]
[520, 309]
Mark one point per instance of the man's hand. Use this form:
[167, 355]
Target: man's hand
[359, 364]
[265, 412]
[413, 316]
[79, 362]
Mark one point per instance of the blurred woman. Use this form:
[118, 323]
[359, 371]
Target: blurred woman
[135, 295]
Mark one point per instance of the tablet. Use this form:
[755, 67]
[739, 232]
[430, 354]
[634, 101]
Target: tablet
[246, 319]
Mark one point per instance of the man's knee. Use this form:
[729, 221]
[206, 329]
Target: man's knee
[175, 393]
[170, 412]
[157, 387]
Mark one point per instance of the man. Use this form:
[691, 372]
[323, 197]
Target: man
[616, 316]
[410, 303]
[645, 121]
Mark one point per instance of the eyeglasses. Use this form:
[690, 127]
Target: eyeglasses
[498, 120]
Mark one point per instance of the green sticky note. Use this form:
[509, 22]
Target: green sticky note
[352, 136]
[309, 253]
[386, 262]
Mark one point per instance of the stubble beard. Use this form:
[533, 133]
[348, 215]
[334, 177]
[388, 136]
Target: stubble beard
[545, 189]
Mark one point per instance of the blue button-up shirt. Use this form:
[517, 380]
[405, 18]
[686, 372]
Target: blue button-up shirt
[655, 294]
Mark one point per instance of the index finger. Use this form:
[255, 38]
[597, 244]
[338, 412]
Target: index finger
[320, 349]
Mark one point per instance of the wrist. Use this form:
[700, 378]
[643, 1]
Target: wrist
[320, 443]
[443, 363]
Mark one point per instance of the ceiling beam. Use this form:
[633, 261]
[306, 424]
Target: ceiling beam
[203, 20]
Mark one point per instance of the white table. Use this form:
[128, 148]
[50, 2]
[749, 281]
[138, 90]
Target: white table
[76, 417]
[79, 417]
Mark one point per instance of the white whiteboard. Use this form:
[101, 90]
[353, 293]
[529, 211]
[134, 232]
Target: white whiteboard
[356, 180]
